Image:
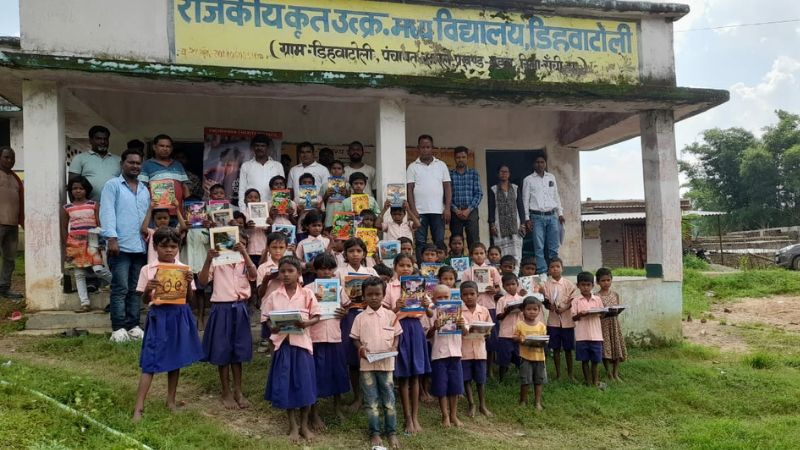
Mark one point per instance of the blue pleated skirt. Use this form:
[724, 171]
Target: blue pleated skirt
[350, 353]
[170, 339]
[413, 357]
[331, 369]
[227, 338]
[291, 382]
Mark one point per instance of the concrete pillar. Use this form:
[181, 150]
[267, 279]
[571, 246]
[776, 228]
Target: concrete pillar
[16, 141]
[565, 164]
[43, 116]
[661, 195]
[390, 144]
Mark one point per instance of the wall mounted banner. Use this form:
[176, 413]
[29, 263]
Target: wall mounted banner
[404, 39]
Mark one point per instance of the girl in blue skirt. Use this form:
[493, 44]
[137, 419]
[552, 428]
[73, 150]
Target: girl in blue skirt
[291, 383]
[170, 339]
[227, 341]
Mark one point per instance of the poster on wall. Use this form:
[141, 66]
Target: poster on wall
[225, 150]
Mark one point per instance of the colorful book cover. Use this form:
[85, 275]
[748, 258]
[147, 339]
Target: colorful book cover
[370, 238]
[430, 270]
[307, 195]
[172, 285]
[327, 291]
[79, 253]
[360, 202]
[343, 225]
[460, 265]
[216, 205]
[222, 217]
[455, 295]
[223, 240]
[312, 248]
[447, 315]
[280, 200]
[289, 230]
[412, 289]
[482, 277]
[337, 188]
[528, 283]
[195, 213]
[396, 194]
[258, 213]
[162, 193]
[388, 251]
[352, 284]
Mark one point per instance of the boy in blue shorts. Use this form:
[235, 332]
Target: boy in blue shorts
[588, 331]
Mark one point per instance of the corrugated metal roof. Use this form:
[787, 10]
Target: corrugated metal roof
[604, 217]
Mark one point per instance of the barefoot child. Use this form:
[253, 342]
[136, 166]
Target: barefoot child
[268, 279]
[413, 358]
[473, 350]
[588, 331]
[171, 340]
[486, 298]
[447, 380]
[329, 362]
[376, 331]
[558, 292]
[291, 383]
[532, 369]
[507, 350]
[614, 350]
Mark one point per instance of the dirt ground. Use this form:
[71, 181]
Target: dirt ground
[781, 312]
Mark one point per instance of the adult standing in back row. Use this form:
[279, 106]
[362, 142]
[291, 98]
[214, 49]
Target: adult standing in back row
[429, 194]
[467, 195]
[163, 167]
[256, 173]
[97, 165]
[541, 200]
[355, 151]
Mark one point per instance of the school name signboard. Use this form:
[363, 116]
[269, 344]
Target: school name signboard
[360, 36]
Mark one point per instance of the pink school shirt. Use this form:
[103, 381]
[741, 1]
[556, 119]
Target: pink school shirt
[588, 328]
[299, 250]
[445, 345]
[231, 283]
[484, 299]
[304, 301]
[342, 272]
[559, 292]
[264, 269]
[257, 241]
[472, 349]
[510, 320]
[152, 255]
[148, 272]
[393, 231]
[328, 330]
[376, 330]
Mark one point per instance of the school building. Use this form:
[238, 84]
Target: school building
[503, 78]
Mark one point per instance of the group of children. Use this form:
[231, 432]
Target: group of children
[354, 350]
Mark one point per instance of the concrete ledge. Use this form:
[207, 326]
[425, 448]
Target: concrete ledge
[57, 321]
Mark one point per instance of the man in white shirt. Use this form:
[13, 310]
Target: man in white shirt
[355, 151]
[429, 194]
[541, 200]
[256, 173]
[308, 164]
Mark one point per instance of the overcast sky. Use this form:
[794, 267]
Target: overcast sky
[759, 65]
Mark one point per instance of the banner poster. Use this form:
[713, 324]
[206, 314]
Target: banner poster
[224, 152]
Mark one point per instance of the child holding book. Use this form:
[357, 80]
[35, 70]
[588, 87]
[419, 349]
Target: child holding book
[77, 218]
[447, 380]
[376, 331]
[456, 245]
[508, 313]
[159, 217]
[171, 340]
[292, 384]
[227, 342]
[358, 185]
[268, 280]
[532, 369]
[588, 330]
[329, 362]
[334, 191]
[307, 200]
[473, 350]
[256, 237]
[403, 222]
[614, 349]
[369, 220]
[313, 223]
[486, 297]
[558, 293]
[413, 357]
[276, 216]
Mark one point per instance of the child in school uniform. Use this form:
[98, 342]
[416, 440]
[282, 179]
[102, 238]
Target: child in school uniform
[358, 185]
[329, 362]
[268, 279]
[456, 248]
[292, 384]
[473, 351]
[447, 276]
[275, 217]
[337, 250]
[447, 380]
[376, 331]
[313, 223]
[330, 196]
[588, 330]
[507, 350]
[369, 220]
[312, 203]
[354, 252]
[527, 267]
[403, 222]
[227, 341]
[256, 237]
[486, 298]
[160, 218]
[558, 292]
[170, 341]
[532, 369]
[413, 359]
[614, 350]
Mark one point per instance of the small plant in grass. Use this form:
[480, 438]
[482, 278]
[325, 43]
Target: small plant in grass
[693, 262]
[760, 361]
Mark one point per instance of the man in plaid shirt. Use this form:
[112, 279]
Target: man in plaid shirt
[467, 195]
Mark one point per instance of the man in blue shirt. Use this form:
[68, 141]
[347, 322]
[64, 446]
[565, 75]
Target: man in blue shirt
[123, 205]
[467, 195]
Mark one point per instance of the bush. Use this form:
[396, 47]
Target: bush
[760, 361]
[693, 262]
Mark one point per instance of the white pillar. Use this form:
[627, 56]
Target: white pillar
[390, 144]
[43, 116]
[565, 164]
[662, 195]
